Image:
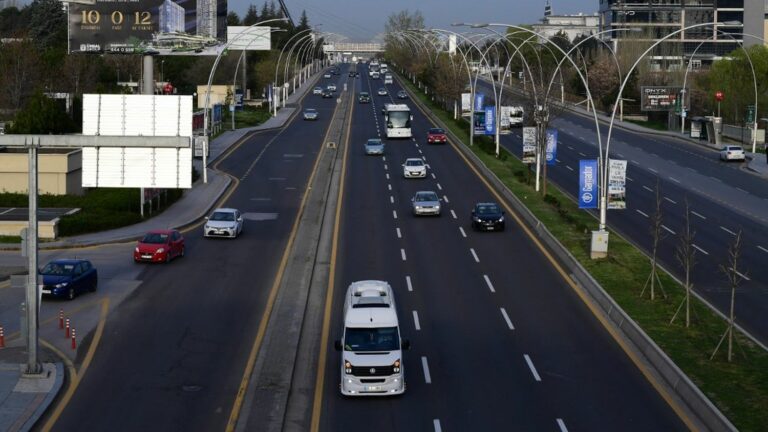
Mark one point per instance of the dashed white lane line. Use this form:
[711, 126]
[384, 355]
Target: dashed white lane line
[420, 152]
[425, 366]
[561, 423]
[383, 158]
[385, 167]
[488, 282]
[391, 199]
[647, 188]
[741, 189]
[569, 167]
[408, 282]
[532, 367]
[506, 318]
[434, 176]
[727, 230]
[402, 253]
[763, 249]
[698, 215]
[445, 198]
[642, 213]
[743, 276]
[674, 180]
[557, 160]
[394, 214]
[463, 234]
[453, 213]
[701, 250]
[653, 170]
[436, 423]
[629, 178]
[582, 154]
[716, 179]
[668, 230]
[670, 200]
[635, 162]
[399, 234]
[439, 187]
[570, 148]
[389, 186]
[474, 255]
[387, 176]
[416, 320]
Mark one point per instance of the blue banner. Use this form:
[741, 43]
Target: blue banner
[479, 99]
[551, 146]
[239, 99]
[490, 120]
[588, 183]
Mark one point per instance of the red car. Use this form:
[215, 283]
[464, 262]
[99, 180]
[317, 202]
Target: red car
[159, 246]
[436, 136]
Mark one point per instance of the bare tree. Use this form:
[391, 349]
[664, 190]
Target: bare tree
[735, 277]
[685, 252]
[657, 220]
[20, 67]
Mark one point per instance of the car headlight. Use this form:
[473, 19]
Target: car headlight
[137, 249]
[62, 285]
[347, 367]
[161, 250]
[501, 219]
[396, 366]
[476, 219]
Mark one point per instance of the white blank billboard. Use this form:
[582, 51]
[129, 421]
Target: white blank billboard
[249, 38]
[147, 167]
[137, 115]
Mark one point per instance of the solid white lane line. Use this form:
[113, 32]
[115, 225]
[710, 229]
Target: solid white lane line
[445, 198]
[8, 211]
[647, 188]
[387, 176]
[669, 230]
[561, 423]
[532, 367]
[463, 234]
[644, 214]
[408, 282]
[439, 187]
[653, 170]
[474, 255]
[425, 366]
[506, 318]
[394, 214]
[727, 230]
[569, 167]
[453, 213]
[399, 234]
[696, 214]
[763, 249]
[670, 200]
[433, 176]
[436, 423]
[391, 199]
[674, 180]
[389, 186]
[488, 282]
[416, 320]
[701, 250]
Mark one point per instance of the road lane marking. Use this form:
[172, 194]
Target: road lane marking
[389, 186]
[653, 170]
[582, 154]
[436, 424]
[399, 234]
[635, 162]
[408, 282]
[727, 230]
[8, 211]
[425, 366]
[453, 213]
[506, 318]
[445, 198]
[570, 148]
[385, 167]
[716, 179]
[474, 255]
[463, 234]
[670, 200]
[488, 282]
[433, 176]
[532, 367]
[674, 180]
[416, 320]
[383, 158]
[387, 176]
[629, 178]
[763, 249]
[644, 214]
[743, 276]
[696, 214]
[420, 152]
[557, 160]
[569, 167]
[647, 188]
[741, 189]
[700, 249]
[402, 253]
[391, 199]
[439, 187]
[394, 214]
[669, 230]
[561, 423]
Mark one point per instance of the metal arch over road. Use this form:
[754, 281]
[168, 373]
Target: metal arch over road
[342, 47]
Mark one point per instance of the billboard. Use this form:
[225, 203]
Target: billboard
[529, 145]
[588, 183]
[479, 122]
[617, 178]
[163, 27]
[490, 120]
[659, 98]
[249, 38]
[551, 146]
[466, 103]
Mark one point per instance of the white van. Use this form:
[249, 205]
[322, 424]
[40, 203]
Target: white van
[388, 79]
[371, 346]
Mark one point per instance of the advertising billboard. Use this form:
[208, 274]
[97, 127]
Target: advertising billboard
[588, 183]
[249, 38]
[655, 98]
[529, 145]
[617, 178]
[164, 27]
[479, 122]
[490, 120]
[551, 146]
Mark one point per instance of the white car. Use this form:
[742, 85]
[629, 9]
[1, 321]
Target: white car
[414, 168]
[223, 222]
[426, 203]
[327, 75]
[732, 152]
[331, 87]
[383, 92]
[317, 91]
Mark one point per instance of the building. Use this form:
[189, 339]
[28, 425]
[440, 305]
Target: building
[660, 18]
[60, 171]
[571, 25]
[206, 18]
[171, 17]
[18, 4]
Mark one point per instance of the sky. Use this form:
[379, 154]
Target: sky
[362, 20]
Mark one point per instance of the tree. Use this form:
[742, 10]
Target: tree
[251, 16]
[735, 277]
[233, 19]
[685, 252]
[42, 115]
[656, 227]
[48, 24]
[303, 22]
[20, 69]
[264, 15]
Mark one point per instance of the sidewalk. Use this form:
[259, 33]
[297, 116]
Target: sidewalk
[23, 400]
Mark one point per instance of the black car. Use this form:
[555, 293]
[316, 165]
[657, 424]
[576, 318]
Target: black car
[351, 74]
[402, 94]
[327, 94]
[488, 216]
[364, 97]
[66, 278]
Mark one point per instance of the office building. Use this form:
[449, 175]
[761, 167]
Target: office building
[171, 17]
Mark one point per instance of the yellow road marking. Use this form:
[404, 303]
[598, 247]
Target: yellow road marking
[588, 302]
[238, 403]
[5, 284]
[317, 404]
[56, 317]
[67, 362]
[75, 381]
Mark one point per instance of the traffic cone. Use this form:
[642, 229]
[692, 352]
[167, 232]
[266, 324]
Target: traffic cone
[61, 318]
[66, 331]
[74, 341]
[2, 337]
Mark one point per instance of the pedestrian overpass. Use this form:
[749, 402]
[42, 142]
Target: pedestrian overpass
[336, 51]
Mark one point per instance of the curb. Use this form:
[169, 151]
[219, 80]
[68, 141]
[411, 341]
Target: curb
[686, 394]
[46, 403]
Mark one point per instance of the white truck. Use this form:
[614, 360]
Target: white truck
[397, 120]
[388, 78]
[371, 345]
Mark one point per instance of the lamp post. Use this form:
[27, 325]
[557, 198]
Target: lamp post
[277, 67]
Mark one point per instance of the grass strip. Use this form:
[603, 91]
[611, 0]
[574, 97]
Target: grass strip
[739, 389]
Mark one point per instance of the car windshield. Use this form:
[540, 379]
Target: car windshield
[363, 94]
[399, 119]
[223, 216]
[426, 196]
[371, 339]
[155, 238]
[310, 110]
[373, 143]
[57, 269]
[436, 131]
[414, 162]
[488, 209]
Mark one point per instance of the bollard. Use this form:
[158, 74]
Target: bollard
[61, 318]
[2, 337]
[74, 341]
[66, 332]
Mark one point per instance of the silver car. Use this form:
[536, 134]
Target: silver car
[374, 146]
[223, 222]
[331, 87]
[310, 114]
[426, 203]
[414, 168]
[317, 90]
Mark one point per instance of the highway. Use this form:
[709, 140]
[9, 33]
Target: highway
[500, 340]
[723, 198]
[173, 355]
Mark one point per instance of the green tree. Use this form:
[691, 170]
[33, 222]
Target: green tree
[48, 24]
[233, 19]
[42, 115]
[251, 16]
[303, 21]
[733, 76]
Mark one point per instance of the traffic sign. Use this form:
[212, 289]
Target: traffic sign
[719, 96]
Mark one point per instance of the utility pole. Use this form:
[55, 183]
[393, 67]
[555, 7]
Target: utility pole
[32, 294]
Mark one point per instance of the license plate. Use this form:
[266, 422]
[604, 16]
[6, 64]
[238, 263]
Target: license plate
[46, 291]
[490, 228]
[372, 388]
[147, 256]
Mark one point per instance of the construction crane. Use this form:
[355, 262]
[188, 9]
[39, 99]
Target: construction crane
[286, 13]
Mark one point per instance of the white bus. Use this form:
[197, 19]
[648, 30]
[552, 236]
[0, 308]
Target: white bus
[397, 118]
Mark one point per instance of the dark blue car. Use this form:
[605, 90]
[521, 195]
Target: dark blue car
[66, 278]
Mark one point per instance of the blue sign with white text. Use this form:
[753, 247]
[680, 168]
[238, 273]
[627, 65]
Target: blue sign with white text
[490, 120]
[551, 146]
[479, 99]
[588, 183]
